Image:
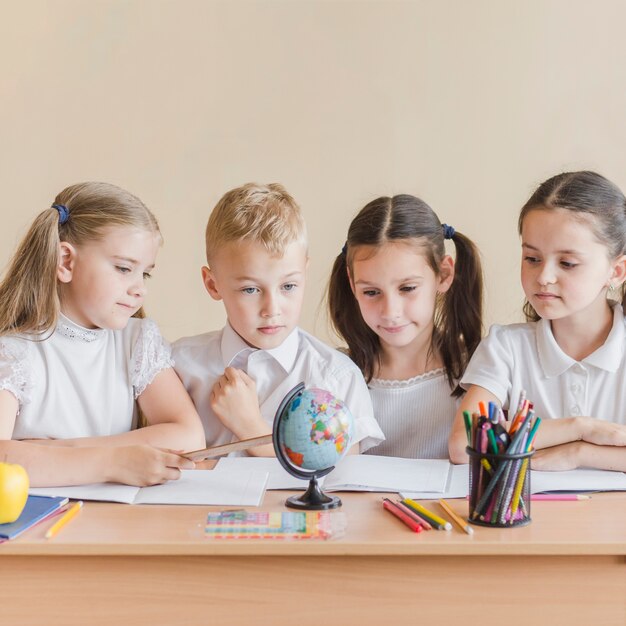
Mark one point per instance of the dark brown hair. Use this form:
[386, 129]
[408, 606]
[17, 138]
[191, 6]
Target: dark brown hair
[590, 197]
[458, 313]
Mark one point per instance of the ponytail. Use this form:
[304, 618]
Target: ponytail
[29, 302]
[347, 321]
[29, 296]
[458, 322]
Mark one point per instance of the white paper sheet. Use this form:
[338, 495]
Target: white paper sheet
[207, 487]
[581, 480]
[356, 473]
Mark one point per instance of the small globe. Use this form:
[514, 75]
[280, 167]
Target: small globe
[312, 432]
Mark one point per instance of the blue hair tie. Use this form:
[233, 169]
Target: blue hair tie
[64, 213]
[344, 250]
[448, 231]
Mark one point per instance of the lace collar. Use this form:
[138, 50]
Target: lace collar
[74, 332]
[387, 383]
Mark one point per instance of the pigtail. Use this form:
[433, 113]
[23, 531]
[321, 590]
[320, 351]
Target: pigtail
[347, 321]
[459, 320]
[29, 302]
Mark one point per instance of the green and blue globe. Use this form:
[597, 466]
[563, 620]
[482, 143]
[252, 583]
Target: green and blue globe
[314, 430]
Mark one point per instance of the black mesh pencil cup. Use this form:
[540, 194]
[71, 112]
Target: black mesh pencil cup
[499, 489]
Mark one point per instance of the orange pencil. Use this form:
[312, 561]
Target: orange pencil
[67, 516]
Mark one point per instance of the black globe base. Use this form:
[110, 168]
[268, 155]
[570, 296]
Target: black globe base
[313, 499]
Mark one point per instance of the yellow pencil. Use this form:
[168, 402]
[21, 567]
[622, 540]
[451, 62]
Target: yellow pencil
[455, 518]
[67, 516]
[444, 524]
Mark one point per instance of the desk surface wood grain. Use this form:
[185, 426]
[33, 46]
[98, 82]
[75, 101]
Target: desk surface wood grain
[588, 527]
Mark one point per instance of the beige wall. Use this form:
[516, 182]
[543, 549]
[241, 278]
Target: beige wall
[467, 104]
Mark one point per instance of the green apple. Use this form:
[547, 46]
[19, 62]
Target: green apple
[13, 491]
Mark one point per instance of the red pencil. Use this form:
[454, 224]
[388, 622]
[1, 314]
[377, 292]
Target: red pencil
[402, 516]
[413, 515]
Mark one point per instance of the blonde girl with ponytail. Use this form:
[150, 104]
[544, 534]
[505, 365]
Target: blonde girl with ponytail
[78, 363]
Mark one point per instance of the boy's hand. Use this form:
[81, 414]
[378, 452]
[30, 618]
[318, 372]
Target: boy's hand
[234, 401]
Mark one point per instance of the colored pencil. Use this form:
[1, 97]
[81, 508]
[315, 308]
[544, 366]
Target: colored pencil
[460, 522]
[431, 518]
[413, 515]
[67, 516]
[402, 516]
[559, 497]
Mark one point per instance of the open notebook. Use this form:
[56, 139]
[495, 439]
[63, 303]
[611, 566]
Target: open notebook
[579, 480]
[208, 487]
[363, 472]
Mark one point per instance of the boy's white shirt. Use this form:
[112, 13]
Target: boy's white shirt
[201, 360]
[527, 356]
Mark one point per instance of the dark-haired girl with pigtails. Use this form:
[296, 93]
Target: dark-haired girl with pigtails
[411, 317]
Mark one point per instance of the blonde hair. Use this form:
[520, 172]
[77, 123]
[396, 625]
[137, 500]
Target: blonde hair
[266, 214]
[29, 297]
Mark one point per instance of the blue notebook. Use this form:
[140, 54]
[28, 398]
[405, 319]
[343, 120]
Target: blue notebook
[37, 508]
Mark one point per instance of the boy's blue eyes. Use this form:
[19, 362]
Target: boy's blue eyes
[253, 290]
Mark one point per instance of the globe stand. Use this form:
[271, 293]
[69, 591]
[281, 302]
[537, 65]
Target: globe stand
[313, 499]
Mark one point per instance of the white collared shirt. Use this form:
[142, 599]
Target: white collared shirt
[527, 356]
[201, 360]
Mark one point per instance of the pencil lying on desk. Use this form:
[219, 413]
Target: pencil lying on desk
[559, 496]
[434, 520]
[396, 511]
[459, 521]
[67, 516]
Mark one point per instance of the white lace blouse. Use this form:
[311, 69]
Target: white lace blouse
[416, 415]
[78, 382]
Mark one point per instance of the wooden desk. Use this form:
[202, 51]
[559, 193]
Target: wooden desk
[135, 565]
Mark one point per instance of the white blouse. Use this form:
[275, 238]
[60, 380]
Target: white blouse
[416, 415]
[78, 382]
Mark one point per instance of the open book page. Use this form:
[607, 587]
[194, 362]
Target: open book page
[355, 473]
[540, 482]
[577, 480]
[384, 473]
[211, 487]
[456, 487]
[208, 487]
[107, 492]
[278, 477]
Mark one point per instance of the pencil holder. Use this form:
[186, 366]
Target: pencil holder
[499, 489]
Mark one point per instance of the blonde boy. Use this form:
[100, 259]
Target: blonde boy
[256, 247]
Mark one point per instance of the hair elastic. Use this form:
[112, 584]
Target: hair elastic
[64, 213]
[344, 250]
[448, 231]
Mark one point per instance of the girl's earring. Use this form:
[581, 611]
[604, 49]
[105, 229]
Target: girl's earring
[610, 291]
